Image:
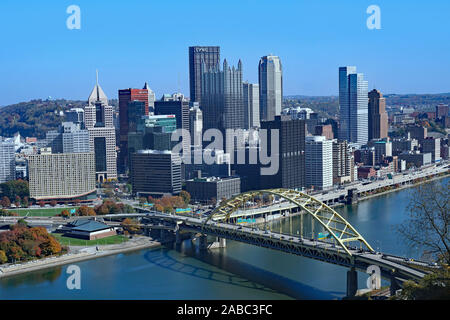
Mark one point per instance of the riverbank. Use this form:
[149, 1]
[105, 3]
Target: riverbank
[77, 254]
[402, 187]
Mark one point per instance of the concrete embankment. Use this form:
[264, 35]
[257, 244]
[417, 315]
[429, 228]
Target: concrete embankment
[77, 254]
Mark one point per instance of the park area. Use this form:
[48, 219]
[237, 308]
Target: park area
[68, 241]
[41, 212]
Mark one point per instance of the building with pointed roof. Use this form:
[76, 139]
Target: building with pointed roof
[222, 101]
[98, 117]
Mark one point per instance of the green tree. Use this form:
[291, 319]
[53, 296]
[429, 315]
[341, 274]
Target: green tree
[185, 196]
[434, 286]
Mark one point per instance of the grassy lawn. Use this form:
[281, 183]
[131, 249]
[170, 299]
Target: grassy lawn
[40, 212]
[65, 241]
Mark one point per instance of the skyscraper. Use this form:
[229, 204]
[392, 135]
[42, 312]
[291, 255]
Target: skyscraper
[125, 97]
[378, 119]
[7, 160]
[196, 124]
[291, 155]
[251, 105]
[270, 87]
[102, 135]
[319, 162]
[69, 138]
[353, 104]
[208, 55]
[222, 98]
[151, 98]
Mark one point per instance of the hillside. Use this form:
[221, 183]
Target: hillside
[36, 117]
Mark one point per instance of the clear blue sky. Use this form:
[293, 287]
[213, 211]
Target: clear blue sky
[133, 41]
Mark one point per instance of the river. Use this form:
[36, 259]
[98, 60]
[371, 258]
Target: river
[239, 271]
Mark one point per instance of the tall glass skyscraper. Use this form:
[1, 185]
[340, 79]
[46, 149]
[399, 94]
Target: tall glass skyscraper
[210, 56]
[270, 87]
[353, 106]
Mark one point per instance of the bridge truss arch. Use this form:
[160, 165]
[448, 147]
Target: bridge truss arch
[339, 229]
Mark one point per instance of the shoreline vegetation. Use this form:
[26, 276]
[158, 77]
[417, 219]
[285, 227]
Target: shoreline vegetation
[139, 243]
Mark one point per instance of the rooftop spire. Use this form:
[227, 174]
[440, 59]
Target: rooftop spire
[97, 94]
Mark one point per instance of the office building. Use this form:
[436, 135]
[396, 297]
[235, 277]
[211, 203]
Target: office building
[343, 162]
[222, 99]
[198, 55]
[417, 132]
[353, 104]
[378, 119]
[433, 146]
[196, 124]
[151, 98]
[76, 115]
[126, 96]
[251, 105]
[319, 162]
[415, 159]
[155, 173]
[102, 135]
[291, 153]
[442, 110]
[206, 190]
[325, 130]
[62, 177]
[69, 138]
[383, 149]
[177, 105]
[270, 76]
[7, 160]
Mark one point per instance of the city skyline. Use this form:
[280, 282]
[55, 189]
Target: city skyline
[308, 65]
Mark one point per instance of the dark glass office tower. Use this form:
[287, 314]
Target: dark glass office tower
[125, 97]
[198, 54]
[291, 143]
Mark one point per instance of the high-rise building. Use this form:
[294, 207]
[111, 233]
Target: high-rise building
[343, 162]
[176, 105]
[62, 177]
[270, 87]
[125, 97]
[325, 130]
[378, 119]
[353, 104]
[433, 146]
[7, 160]
[69, 138]
[251, 105]
[196, 124]
[291, 153]
[155, 173]
[319, 162]
[151, 98]
[102, 135]
[442, 110]
[222, 99]
[208, 55]
[75, 115]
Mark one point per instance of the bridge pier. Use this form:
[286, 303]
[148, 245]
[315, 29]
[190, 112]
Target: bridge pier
[352, 282]
[203, 242]
[178, 238]
[219, 243]
[394, 286]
